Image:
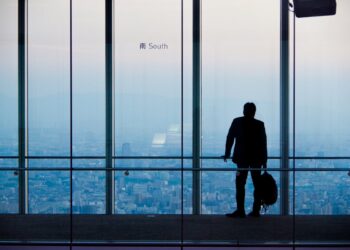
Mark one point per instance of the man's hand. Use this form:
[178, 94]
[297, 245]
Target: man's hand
[225, 158]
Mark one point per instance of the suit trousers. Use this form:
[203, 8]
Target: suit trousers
[241, 178]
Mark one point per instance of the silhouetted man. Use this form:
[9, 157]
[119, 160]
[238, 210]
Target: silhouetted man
[250, 151]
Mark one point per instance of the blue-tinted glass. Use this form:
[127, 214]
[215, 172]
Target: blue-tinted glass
[148, 192]
[8, 192]
[219, 192]
[89, 163]
[89, 192]
[322, 193]
[48, 192]
[321, 206]
[8, 78]
[8, 104]
[322, 163]
[10, 163]
[48, 77]
[88, 77]
[147, 163]
[322, 84]
[240, 63]
[219, 163]
[48, 163]
[155, 186]
[187, 187]
[148, 77]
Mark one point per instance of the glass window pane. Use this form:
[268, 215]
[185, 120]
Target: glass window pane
[322, 84]
[8, 78]
[219, 192]
[148, 77]
[219, 163]
[89, 163]
[322, 199]
[48, 163]
[322, 163]
[8, 192]
[155, 186]
[147, 163]
[10, 163]
[187, 187]
[89, 192]
[148, 192]
[89, 77]
[322, 193]
[48, 77]
[240, 63]
[48, 192]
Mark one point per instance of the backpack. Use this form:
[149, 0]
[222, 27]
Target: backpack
[268, 190]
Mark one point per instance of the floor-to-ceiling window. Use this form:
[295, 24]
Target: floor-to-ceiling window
[322, 136]
[88, 54]
[48, 102]
[8, 106]
[149, 112]
[240, 63]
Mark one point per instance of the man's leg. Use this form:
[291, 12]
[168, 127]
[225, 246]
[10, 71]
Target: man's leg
[241, 178]
[256, 179]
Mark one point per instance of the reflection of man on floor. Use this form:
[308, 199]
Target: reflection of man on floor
[250, 151]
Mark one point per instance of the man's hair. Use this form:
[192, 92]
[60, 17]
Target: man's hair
[249, 109]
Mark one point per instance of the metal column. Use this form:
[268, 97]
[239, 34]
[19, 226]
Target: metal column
[22, 180]
[284, 95]
[109, 108]
[196, 136]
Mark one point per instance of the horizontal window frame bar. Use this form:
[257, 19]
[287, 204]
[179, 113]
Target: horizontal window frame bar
[65, 157]
[181, 169]
[173, 157]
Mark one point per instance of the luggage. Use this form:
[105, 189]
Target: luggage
[267, 190]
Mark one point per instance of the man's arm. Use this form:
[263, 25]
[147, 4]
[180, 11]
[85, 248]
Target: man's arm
[230, 140]
[264, 144]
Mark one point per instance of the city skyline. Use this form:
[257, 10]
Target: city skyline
[159, 192]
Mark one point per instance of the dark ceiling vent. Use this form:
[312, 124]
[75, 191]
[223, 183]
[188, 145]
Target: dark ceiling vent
[309, 8]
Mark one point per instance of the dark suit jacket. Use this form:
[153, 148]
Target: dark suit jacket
[250, 146]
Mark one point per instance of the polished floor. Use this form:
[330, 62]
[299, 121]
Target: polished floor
[160, 228]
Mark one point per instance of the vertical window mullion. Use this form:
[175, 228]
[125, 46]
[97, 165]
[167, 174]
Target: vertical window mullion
[109, 108]
[284, 109]
[196, 182]
[22, 107]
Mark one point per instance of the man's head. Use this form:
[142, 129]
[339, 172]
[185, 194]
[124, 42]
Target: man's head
[249, 110]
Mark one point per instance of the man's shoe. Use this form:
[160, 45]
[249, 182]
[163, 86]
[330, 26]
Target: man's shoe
[254, 214]
[236, 214]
